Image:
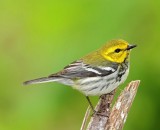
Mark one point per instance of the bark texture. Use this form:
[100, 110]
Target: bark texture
[114, 118]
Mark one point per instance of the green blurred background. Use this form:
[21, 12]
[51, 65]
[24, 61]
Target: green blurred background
[38, 38]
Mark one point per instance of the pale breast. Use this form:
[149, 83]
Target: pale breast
[102, 85]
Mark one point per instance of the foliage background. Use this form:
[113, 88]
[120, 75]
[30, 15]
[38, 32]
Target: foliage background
[39, 37]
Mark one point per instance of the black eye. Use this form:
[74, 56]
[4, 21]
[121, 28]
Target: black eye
[117, 50]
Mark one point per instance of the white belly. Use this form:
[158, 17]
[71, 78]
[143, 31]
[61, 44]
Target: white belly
[100, 85]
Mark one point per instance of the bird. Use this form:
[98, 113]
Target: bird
[99, 72]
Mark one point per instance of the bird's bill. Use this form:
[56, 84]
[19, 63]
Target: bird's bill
[131, 47]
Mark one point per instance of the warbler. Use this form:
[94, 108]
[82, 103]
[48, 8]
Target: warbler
[97, 73]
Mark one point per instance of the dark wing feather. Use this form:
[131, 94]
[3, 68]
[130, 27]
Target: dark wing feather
[78, 69]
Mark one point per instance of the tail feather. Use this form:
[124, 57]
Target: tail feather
[40, 80]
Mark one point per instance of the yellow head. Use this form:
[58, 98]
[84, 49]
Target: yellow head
[116, 50]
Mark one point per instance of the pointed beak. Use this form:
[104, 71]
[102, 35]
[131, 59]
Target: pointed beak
[131, 47]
